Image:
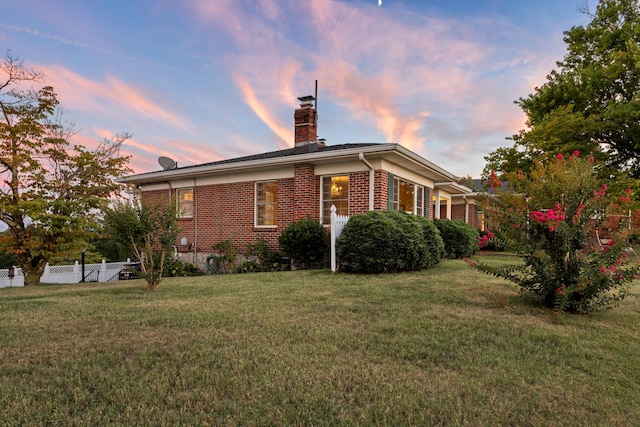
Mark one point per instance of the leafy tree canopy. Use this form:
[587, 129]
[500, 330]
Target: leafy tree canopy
[591, 103]
[51, 190]
[150, 231]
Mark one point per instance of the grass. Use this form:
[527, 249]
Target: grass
[447, 346]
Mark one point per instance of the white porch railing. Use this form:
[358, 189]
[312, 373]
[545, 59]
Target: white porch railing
[102, 272]
[337, 224]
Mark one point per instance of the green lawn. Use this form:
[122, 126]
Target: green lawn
[447, 346]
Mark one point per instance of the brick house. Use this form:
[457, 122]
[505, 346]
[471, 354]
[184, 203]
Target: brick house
[256, 197]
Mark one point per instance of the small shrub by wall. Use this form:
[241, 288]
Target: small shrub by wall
[305, 242]
[460, 239]
[386, 242]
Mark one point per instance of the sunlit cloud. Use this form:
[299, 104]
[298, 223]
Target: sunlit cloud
[368, 62]
[440, 84]
[111, 97]
[283, 132]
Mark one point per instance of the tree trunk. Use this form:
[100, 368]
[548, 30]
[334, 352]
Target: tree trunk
[32, 268]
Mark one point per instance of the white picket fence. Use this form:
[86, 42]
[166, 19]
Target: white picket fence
[103, 272]
[337, 224]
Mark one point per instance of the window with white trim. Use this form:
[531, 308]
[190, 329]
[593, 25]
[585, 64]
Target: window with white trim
[266, 206]
[419, 200]
[335, 191]
[408, 197]
[184, 202]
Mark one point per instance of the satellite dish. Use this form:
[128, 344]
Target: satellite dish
[167, 163]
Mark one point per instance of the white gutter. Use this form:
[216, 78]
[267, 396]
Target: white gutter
[372, 176]
[234, 166]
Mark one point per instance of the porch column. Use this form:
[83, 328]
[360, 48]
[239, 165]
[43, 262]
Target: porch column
[436, 194]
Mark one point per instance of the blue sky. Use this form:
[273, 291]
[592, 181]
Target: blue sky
[206, 80]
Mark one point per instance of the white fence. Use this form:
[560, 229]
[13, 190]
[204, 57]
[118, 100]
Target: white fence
[103, 272]
[7, 282]
[337, 224]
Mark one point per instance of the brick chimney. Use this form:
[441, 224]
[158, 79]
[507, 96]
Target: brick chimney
[306, 131]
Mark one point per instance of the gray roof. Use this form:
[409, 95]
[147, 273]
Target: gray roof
[282, 153]
[312, 153]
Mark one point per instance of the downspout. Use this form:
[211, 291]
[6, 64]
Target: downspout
[195, 223]
[372, 176]
[466, 209]
[170, 192]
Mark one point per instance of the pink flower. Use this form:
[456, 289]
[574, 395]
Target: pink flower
[494, 181]
[612, 268]
[559, 156]
[628, 191]
[591, 160]
[490, 235]
[603, 269]
[576, 153]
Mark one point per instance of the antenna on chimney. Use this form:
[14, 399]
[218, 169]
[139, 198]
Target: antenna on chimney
[316, 103]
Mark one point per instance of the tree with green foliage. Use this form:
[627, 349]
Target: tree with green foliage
[52, 191]
[7, 258]
[591, 103]
[149, 230]
[555, 218]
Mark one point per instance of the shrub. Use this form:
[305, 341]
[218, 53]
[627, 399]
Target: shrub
[460, 239]
[261, 258]
[305, 242]
[387, 242]
[433, 240]
[552, 217]
[224, 259]
[490, 241]
[176, 268]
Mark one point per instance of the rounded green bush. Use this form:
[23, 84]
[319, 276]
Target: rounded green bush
[460, 239]
[433, 240]
[386, 242]
[305, 242]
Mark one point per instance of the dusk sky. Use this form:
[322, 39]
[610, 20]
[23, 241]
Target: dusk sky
[206, 80]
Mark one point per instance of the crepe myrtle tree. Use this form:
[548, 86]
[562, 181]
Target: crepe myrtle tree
[149, 230]
[555, 217]
[52, 191]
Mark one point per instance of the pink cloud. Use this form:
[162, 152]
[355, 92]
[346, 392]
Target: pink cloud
[366, 60]
[112, 97]
[283, 132]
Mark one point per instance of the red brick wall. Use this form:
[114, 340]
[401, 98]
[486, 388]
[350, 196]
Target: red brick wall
[156, 196]
[358, 192]
[227, 210]
[381, 189]
[305, 191]
[458, 212]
